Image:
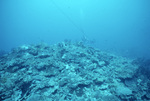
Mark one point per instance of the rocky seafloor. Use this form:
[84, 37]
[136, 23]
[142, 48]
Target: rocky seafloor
[71, 72]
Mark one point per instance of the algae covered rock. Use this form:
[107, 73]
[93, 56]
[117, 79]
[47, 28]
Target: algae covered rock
[68, 71]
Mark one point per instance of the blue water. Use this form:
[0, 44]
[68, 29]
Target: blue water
[118, 26]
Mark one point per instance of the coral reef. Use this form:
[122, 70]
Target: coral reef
[70, 71]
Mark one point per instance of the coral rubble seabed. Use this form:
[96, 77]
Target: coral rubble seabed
[69, 71]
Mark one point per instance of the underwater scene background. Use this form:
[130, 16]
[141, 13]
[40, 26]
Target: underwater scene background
[74, 50]
[118, 26]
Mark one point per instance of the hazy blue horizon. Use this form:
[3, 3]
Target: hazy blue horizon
[119, 26]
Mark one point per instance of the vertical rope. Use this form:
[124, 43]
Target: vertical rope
[78, 28]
